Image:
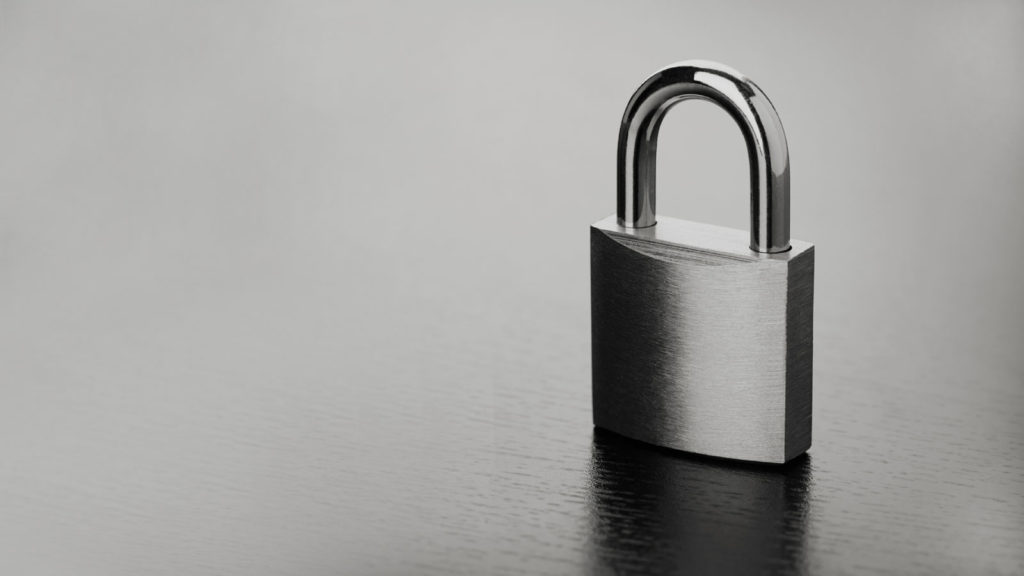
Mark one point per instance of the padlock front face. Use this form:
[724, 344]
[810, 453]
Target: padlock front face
[700, 344]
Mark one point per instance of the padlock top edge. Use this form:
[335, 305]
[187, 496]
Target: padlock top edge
[706, 237]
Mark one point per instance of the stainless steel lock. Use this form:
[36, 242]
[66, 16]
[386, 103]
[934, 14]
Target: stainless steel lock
[703, 337]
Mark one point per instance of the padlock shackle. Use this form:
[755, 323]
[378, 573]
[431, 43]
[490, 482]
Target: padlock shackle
[757, 119]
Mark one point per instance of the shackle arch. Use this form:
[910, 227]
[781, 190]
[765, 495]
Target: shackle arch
[758, 121]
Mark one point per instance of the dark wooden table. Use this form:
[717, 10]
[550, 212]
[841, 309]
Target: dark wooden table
[305, 291]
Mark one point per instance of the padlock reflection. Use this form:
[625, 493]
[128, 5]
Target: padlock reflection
[658, 511]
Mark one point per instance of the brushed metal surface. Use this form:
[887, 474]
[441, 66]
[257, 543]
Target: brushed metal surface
[762, 130]
[700, 344]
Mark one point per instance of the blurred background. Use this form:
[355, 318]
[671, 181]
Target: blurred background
[292, 287]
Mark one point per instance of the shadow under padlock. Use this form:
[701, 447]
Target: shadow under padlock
[654, 510]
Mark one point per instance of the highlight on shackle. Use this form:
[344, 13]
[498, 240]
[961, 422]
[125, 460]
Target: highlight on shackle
[758, 121]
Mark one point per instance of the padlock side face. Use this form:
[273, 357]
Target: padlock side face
[698, 348]
[799, 352]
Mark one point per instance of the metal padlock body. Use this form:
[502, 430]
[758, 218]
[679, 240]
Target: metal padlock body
[702, 341]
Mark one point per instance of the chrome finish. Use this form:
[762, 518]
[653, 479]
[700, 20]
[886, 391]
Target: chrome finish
[700, 344]
[757, 119]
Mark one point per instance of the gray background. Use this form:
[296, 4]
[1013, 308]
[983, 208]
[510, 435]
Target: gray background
[303, 287]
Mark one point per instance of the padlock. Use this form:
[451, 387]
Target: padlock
[702, 337]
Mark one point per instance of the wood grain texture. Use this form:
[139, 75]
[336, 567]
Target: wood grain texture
[287, 430]
[301, 288]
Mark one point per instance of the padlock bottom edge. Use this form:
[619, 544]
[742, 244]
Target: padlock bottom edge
[702, 455]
